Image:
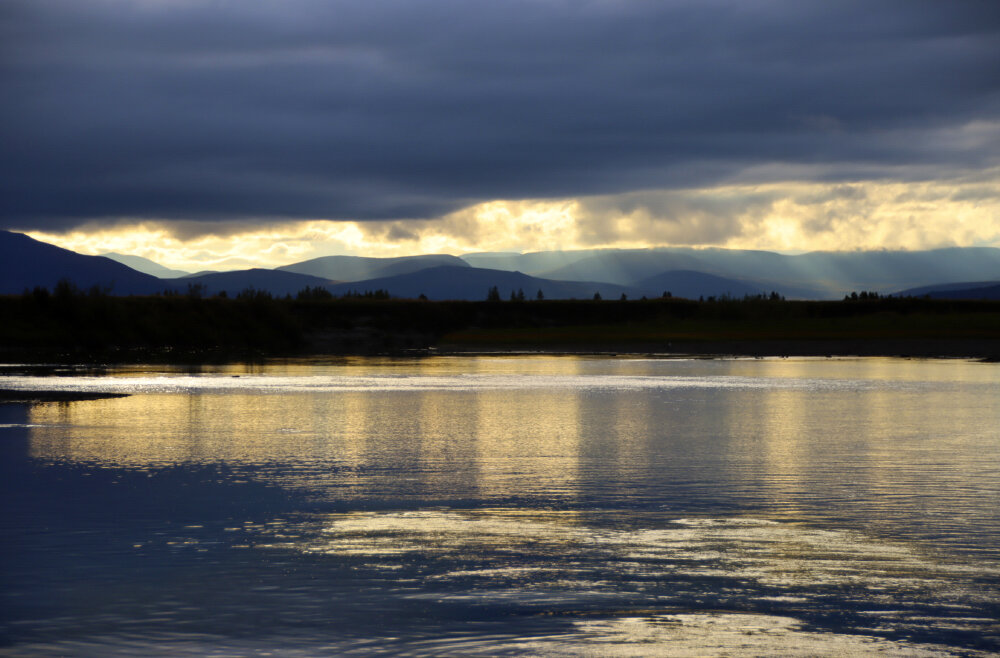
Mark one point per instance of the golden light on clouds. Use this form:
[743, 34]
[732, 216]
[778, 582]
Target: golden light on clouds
[775, 216]
[867, 216]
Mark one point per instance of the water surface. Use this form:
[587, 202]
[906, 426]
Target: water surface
[540, 505]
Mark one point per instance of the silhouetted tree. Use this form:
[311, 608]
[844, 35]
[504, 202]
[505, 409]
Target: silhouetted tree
[597, 296]
[314, 293]
[196, 290]
[493, 295]
[368, 294]
[64, 290]
[253, 295]
[539, 296]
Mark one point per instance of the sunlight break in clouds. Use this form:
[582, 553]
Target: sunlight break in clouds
[790, 216]
[496, 225]
[801, 216]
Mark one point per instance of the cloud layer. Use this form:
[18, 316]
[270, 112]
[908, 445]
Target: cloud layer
[281, 110]
[778, 216]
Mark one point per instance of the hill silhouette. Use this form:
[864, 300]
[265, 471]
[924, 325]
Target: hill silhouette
[962, 290]
[815, 275]
[685, 272]
[536, 263]
[26, 263]
[357, 268]
[692, 285]
[473, 283]
[146, 266]
[232, 283]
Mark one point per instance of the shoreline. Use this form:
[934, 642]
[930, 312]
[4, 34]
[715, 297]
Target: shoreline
[181, 330]
[15, 396]
[709, 351]
[985, 350]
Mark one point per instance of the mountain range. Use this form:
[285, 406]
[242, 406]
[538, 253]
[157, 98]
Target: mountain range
[961, 290]
[26, 263]
[146, 266]
[358, 268]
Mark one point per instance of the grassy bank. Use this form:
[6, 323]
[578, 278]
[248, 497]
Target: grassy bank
[788, 328]
[77, 326]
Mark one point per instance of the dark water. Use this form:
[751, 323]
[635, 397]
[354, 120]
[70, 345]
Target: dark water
[550, 505]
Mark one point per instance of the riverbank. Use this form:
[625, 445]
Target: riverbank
[8, 396]
[177, 329]
[986, 351]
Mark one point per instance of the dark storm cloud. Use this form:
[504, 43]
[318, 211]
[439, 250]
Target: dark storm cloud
[217, 111]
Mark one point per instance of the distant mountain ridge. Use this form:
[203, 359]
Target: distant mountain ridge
[534, 263]
[692, 285]
[815, 275]
[26, 263]
[359, 268]
[684, 272]
[233, 283]
[447, 282]
[146, 266]
[962, 290]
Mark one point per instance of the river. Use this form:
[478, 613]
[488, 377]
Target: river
[541, 505]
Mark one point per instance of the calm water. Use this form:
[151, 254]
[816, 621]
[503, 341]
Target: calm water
[548, 505]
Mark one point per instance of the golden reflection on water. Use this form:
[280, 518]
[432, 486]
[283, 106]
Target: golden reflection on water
[519, 434]
[476, 443]
[734, 483]
[779, 428]
[500, 442]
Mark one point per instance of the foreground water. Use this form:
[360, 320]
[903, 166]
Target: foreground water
[548, 505]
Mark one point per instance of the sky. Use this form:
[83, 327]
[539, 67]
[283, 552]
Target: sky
[211, 134]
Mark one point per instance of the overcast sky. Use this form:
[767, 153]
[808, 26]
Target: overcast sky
[380, 125]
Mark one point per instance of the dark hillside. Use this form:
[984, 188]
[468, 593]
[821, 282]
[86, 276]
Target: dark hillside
[473, 283]
[357, 268]
[692, 285]
[275, 282]
[966, 290]
[26, 263]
